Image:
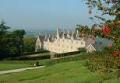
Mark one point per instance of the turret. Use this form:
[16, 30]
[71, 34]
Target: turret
[48, 38]
[72, 36]
[77, 34]
[68, 34]
[63, 35]
[58, 35]
[45, 37]
[39, 43]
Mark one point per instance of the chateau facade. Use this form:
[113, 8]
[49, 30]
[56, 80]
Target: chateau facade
[63, 42]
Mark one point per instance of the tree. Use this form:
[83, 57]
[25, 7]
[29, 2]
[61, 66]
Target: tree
[84, 30]
[96, 30]
[3, 39]
[11, 43]
[111, 8]
[29, 44]
[19, 35]
[3, 28]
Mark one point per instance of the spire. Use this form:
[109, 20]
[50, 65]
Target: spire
[38, 38]
[68, 34]
[49, 38]
[58, 35]
[45, 37]
[72, 36]
[77, 34]
[49, 35]
[63, 35]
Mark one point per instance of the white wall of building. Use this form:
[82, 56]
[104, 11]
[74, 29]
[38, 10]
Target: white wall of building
[61, 44]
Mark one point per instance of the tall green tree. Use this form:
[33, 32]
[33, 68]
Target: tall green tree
[19, 35]
[11, 43]
[3, 39]
[3, 28]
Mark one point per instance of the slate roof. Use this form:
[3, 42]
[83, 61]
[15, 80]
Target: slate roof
[100, 43]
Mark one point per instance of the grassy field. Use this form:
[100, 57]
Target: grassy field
[4, 66]
[8, 65]
[14, 64]
[67, 72]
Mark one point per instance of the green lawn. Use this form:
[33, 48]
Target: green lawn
[67, 72]
[8, 65]
[12, 66]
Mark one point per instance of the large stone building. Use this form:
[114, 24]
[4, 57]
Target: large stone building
[64, 42]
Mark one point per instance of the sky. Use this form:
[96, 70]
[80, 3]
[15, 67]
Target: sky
[44, 14]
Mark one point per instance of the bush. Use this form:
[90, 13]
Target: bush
[65, 54]
[103, 64]
[33, 57]
[30, 53]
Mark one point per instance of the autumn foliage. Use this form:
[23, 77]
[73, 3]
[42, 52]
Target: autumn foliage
[106, 30]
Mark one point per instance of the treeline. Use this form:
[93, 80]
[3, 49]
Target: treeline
[13, 43]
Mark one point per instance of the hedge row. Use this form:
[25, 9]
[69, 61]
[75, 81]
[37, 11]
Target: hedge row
[30, 53]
